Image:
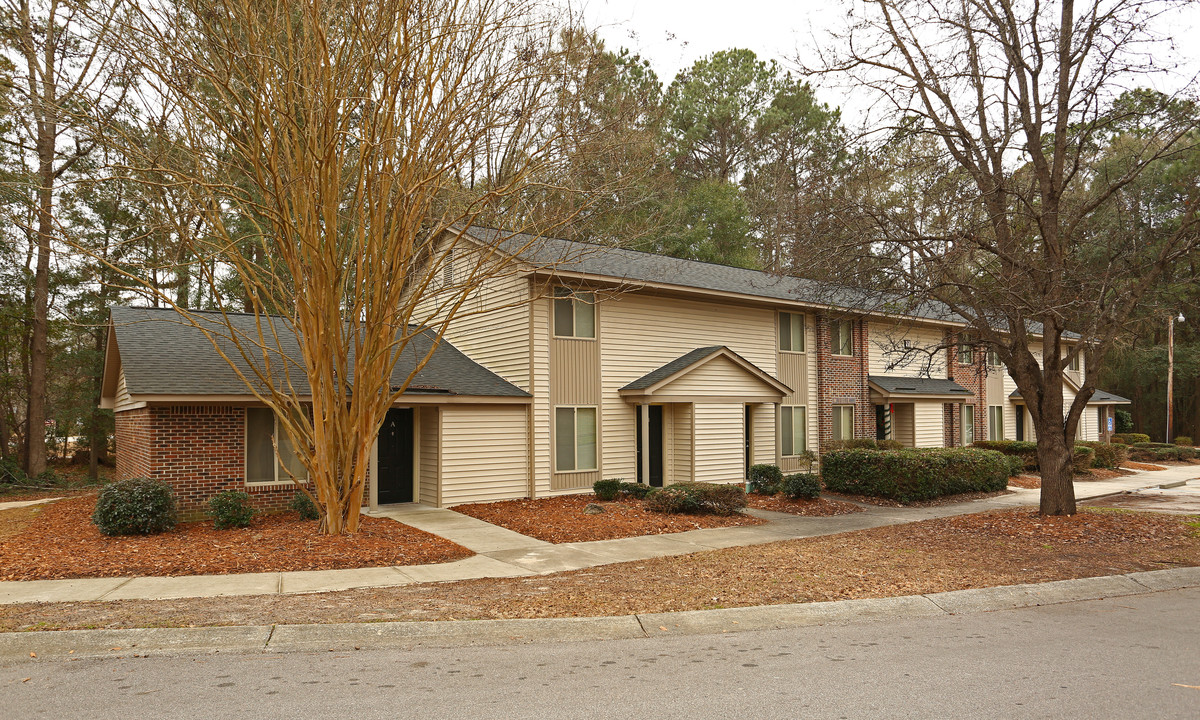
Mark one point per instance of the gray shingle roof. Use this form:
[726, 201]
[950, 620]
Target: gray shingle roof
[1099, 397]
[918, 386]
[162, 354]
[666, 371]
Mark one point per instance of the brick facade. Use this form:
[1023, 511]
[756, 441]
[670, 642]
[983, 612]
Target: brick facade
[842, 380]
[199, 450]
[972, 376]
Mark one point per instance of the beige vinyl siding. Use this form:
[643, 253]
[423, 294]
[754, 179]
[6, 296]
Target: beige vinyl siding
[762, 430]
[640, 332]
[123, 401]
[885, 343]
[492, 325]
[719, 376]
[681, 442]
[814, 425]
[543, 413]
[575, 382]
[429, 464]
[720, 453]
[904, 424]
[484, 454]
[929, 424]
[793, 372]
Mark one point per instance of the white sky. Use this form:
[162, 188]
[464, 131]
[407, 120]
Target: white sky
[673, 34]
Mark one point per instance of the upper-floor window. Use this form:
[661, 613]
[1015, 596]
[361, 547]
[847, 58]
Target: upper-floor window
[791, 332]
[841, 337]
[574, 313]
[263, 434]
[993, 358]
[1073, 364]
[966, 350]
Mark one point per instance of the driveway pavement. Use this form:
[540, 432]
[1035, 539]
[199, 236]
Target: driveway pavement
[504, 553]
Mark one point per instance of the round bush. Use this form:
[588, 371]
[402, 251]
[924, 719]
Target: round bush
[230, 509]
[698, 497]
[303, 505]
[764, 479]
[801, 485]
[915, 474]
[1183, 440]
[634, 490]
[1082, 458]
[135, 507]
[606, 490]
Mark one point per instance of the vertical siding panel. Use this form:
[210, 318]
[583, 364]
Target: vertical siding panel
[762, 425]
[929, 424]
[684, 450]
[543, 418]
[430, 461]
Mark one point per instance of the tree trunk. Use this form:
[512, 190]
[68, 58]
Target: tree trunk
[1056, 464]
[35, 435]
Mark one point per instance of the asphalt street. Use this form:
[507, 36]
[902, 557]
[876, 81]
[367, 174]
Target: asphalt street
[1126, 657]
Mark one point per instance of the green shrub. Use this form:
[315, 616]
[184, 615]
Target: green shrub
[1123, 421]
[135, 507]
[852, 444]
[764, 479]
[890, 445]
[303, 505]
[1108, 455]
[230, 509]
[606, 489]
[1158, 452]
[1023, 449]
[912, 475]
[1187, 453]
[1016, 465]
[1130, 438]
[801, 485]
[11, 473]
[634, 490]
[1082, 458]
[698, 497]
[1183, 440]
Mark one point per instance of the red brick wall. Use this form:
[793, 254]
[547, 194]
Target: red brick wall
[134, 439]
[843, 381]
[972, 376]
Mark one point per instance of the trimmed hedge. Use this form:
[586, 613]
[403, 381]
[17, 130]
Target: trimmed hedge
[1108, 455]
[1151, 451]
[697, 498]
[1130, 438]
[1082, 458]
[801, 485]
[1016, 465]
[863, 444]
[606, 490]
[230, 509]
[634, 490]
[912, 475]
[1184, 441]
[764, 479]
[1023, 449]
[137, 506]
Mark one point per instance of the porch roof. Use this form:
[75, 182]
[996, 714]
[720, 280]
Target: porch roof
[1099, 397]
[733, 379]
[887, 387]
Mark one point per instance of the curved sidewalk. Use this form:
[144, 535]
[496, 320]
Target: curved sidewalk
[504, 553]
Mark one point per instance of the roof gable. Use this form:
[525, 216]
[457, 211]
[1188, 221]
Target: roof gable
[714, 371]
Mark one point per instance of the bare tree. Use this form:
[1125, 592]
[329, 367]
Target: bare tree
[350, 140]
[64, 68]
[1020, 96]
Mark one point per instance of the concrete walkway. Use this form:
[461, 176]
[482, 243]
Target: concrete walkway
[25, 503]
[504, 553]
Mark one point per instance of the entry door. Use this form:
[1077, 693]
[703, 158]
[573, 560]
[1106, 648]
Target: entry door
[656, 446]
[1020, 423]
[395, 464]
[747, 434]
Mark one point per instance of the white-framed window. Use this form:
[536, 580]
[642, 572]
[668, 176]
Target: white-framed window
[843, 422]
[841, 337]
[1073, 365]
[993, 358]
[574, 439]
[262, 464]
[966, 350]
[793, 429]
[968, 424]
[791, 332]
[995, 422]
[574, 313]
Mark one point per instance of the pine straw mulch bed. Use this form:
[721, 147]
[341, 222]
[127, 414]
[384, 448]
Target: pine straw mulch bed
[1130, 465]
[1032, 479]
[957, 553]
[818, 507]
[561, 519]
[935, 502]
[58, 540]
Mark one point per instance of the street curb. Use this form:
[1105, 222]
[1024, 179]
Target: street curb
[146, 642]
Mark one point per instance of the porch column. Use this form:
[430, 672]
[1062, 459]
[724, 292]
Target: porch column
[644, 409]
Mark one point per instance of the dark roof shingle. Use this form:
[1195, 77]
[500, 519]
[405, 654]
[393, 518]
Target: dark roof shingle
[918, 386]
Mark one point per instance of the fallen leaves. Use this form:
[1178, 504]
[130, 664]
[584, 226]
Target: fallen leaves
[561, 519]
[818, 507]
[60, 541]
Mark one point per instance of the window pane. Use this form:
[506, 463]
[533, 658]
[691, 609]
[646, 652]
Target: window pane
[968, 424]
[287, 454]
[843, 422]
[260, 457]
[797, 332]
[785, 331]
[585, 443]
[564, 323]
[585, 315]
[799, 430]
[785, 431]
[564, 439]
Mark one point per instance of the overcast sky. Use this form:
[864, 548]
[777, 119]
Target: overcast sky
[673, 34]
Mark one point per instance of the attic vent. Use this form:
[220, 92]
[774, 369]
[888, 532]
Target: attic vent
[448, 268]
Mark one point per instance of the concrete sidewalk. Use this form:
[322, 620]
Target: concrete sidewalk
[34, 647]
[504, 553]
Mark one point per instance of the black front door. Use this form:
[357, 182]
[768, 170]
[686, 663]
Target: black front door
[1020, 423]
[395, 464]
[656, 446]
